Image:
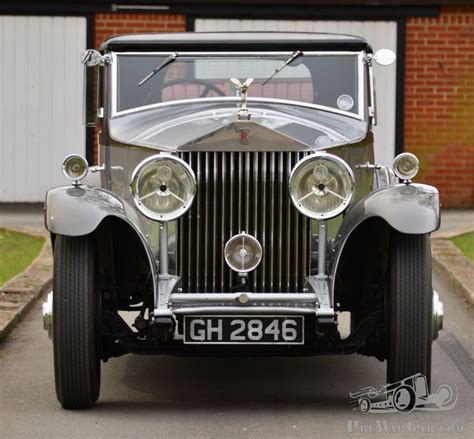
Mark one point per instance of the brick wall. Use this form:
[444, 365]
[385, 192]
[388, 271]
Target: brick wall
[107, 25]
[439, 106]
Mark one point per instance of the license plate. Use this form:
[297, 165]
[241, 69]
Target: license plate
[243, 329]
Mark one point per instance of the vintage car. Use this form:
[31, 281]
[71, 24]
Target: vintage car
[239, 210]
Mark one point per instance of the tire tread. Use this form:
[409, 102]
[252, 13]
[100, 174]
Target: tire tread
[76, 362]
[410, 308]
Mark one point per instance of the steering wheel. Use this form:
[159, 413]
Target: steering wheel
[157, 93]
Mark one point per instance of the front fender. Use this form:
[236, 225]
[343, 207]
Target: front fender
[78, 210]
[412, 208]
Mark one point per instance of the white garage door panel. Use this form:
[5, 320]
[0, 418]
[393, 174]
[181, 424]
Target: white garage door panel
[40, 102]
[380, 34]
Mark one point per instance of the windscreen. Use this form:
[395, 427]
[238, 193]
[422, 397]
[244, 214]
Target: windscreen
[328, 80]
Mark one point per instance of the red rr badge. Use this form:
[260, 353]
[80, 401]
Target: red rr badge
[244, 136]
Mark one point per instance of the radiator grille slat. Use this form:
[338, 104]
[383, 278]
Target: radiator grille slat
[243, 191]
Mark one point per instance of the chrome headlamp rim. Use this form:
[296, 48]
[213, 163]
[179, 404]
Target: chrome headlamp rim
[342, 207]
[75, 156]
[134, 181]
[402, 156]
[251, 238]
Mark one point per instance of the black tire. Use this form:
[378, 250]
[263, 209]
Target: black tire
[409, 308]
[75, 322]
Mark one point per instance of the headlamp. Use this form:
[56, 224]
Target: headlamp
[321, 186]
[406, 165]
[243, 253]
[75, 167]
[163, 187]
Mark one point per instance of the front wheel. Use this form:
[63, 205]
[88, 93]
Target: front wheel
[75, 322]
[409, 308]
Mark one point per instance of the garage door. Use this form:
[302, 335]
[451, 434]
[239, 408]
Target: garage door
[40, 102]
[380, 34]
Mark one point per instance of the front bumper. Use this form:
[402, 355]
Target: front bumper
[247, 303]
[231, 303]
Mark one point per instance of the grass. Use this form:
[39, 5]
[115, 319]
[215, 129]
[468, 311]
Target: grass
[465, 243]
[17, 252]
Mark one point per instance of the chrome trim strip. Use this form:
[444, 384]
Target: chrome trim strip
[272, 215]
[234, 297]
[256, 192]
[247, 191]
[296, 232]
[198, 227]
[239, 196]
[264, 218]
[224, 190]
[288, 227]
[280, 214]
[361, 82]
[235, 99]
[241, 309]
[214, 222]
[231, 219]
[372, 109]
[206, 245]
[190, 228]
[259, 53]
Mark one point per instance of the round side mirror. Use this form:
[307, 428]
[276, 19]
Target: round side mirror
[385, 57]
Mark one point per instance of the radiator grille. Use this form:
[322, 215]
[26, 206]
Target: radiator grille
[243, 191]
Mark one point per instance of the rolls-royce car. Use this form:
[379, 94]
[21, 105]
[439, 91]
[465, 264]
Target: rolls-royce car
[239, 210]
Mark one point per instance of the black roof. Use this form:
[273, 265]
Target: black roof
[234, 41]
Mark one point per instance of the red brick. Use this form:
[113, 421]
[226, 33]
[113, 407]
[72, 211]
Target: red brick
[439, 96]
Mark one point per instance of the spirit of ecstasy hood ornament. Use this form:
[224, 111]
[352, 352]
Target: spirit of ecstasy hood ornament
[243, 89]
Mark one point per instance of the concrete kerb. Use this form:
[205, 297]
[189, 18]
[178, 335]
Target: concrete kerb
[452, 264]
[19, 294]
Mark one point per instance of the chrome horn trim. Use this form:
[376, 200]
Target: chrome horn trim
[438, 312]
[48, 315]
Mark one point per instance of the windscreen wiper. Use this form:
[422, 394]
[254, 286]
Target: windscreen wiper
[293, 56]
[167, 61]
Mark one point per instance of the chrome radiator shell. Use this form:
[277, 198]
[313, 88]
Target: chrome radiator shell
[243, 191]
